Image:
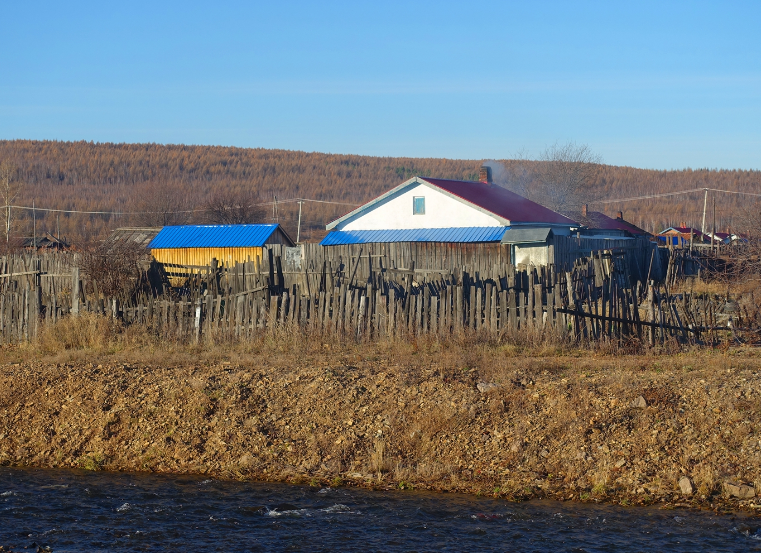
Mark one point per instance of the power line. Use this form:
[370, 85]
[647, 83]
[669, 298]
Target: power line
[665, 194]
[119, 213]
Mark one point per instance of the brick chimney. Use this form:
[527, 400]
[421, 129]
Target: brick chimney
[620, 215]
[584, 210]
[484, 175]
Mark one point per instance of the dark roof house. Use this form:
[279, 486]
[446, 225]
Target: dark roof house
[595, 221]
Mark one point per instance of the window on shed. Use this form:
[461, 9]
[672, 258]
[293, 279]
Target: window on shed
[418, 205]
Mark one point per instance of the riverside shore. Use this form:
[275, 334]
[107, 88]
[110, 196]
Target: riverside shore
[496, 421]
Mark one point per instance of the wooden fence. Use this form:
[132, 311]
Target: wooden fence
[596, 300]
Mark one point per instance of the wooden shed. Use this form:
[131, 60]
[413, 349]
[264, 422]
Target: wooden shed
[194, 246]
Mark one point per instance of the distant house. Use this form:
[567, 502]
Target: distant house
[681, 236]
[720, 237]
[598, 225]
[727, 237]
[424, 209]
[195, 246]
[44, 242]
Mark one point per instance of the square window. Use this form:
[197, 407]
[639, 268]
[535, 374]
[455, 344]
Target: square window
[418, 205]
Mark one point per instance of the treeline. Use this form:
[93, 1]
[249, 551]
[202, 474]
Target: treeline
[139, 184]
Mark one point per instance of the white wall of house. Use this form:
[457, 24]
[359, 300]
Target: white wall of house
[441, 211]
[535, 254]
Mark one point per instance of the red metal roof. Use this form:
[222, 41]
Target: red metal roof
[500, 201]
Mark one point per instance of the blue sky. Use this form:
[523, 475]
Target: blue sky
[646, 84]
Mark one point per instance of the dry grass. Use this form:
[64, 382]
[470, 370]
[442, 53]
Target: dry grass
[407, 411]
[403, 412]
[86, 332]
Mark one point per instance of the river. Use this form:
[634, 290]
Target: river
[76, 511]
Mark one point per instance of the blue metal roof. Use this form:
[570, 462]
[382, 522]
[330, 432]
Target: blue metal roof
[213, 236]
[452, 234]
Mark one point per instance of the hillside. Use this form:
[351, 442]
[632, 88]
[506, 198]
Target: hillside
[129, 178]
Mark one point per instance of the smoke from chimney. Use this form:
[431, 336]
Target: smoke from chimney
[484, 175]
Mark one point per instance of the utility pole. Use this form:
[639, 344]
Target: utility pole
[298, 229]
[713, 234]
[34, 227]
[705, 202]
[274, 210]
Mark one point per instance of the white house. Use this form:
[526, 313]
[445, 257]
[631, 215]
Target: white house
[425, 209]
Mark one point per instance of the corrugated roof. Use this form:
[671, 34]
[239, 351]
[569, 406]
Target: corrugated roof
[213, 236]
[526, 235]
[141, 236]
[598, 220]
[500, 201]
[459, 234]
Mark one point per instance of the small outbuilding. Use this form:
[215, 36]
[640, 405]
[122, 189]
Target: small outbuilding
[682, 236]
[197, 245]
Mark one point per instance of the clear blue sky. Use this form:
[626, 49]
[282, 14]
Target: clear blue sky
[647, 84]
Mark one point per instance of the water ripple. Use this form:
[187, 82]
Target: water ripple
[52, 508]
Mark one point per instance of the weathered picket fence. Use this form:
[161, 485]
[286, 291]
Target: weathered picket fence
[596, 300]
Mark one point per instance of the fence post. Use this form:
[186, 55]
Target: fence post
[37, 296]
[75, 291]
[197, 327]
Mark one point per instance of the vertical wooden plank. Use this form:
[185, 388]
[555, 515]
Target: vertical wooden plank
[380, 308]
[75, 291]
[423, 308]
[272, 313]
[361, 316]
[392, 312]
[303, 308]
[493, 311]
[283, 307]
[538, 311]
[459, 308]
[513, 307]
[503, 310]
[487, 307]
[473, 305]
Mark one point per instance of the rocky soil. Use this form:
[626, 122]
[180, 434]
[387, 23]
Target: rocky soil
[676, 430]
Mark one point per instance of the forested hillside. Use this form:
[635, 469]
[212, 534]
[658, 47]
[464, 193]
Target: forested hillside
[137, 182]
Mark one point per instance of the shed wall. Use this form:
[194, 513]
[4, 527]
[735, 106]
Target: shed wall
[203, 256]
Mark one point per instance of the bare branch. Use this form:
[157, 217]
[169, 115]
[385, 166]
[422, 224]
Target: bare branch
[232, 208]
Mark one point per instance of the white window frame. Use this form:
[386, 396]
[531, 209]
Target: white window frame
[414, 205]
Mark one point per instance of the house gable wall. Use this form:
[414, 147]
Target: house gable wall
[441, 211]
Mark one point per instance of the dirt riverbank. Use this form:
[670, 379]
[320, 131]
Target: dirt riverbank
[495, 421]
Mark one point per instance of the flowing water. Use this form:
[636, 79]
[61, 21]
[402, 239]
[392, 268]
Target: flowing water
[83, 511]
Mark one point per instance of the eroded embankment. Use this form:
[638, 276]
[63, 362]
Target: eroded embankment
[560, 427]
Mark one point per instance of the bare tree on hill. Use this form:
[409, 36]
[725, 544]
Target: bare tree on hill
[10, 187]
[565, 175]
[232, 208]
[161, 204]
[560, 179]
